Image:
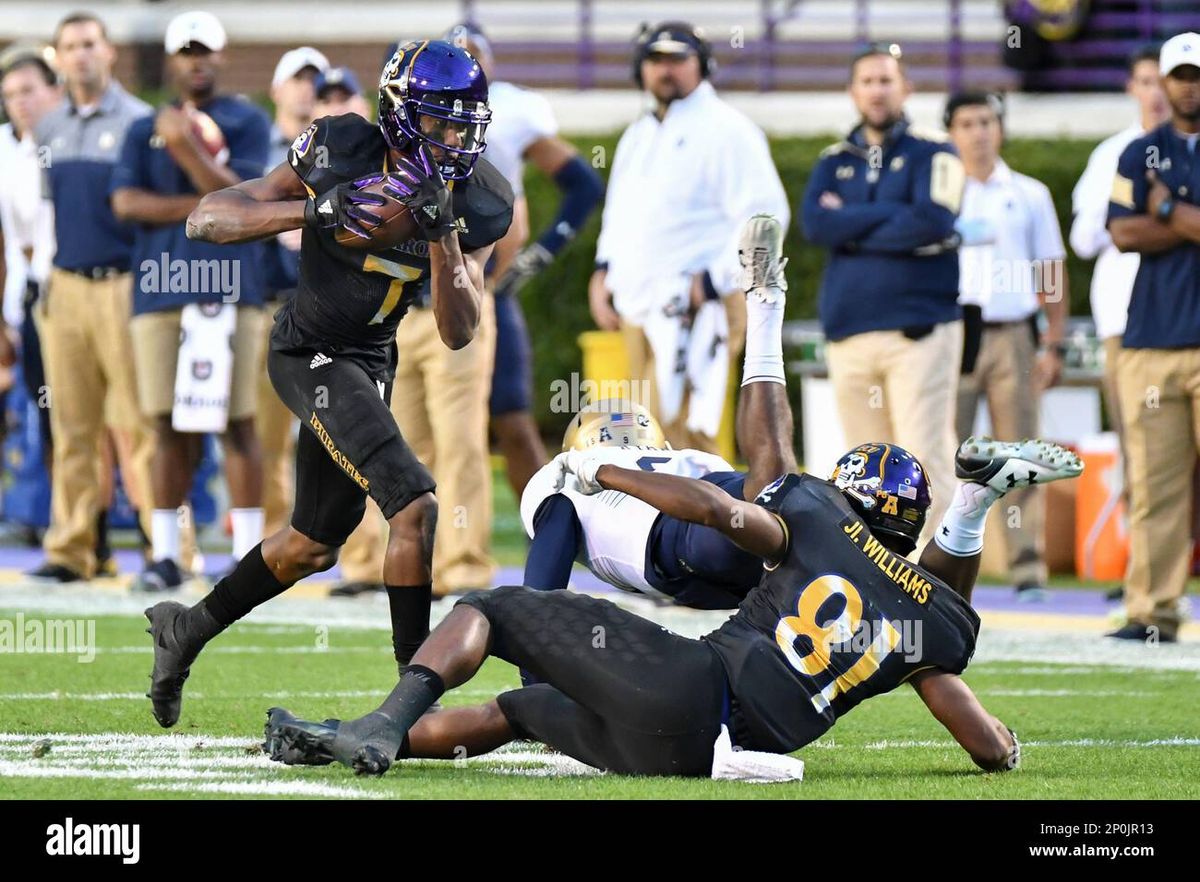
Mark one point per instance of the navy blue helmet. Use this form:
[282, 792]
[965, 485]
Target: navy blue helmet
[432, 92]
[889, 488]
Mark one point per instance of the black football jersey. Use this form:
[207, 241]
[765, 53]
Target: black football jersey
[349, 301]
[840, 619]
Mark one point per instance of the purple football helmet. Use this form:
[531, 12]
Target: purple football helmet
[432, 92]
[889, 488]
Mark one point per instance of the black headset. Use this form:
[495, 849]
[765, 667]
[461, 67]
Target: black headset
[647, 34]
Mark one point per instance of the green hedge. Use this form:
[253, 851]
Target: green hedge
[556, 302]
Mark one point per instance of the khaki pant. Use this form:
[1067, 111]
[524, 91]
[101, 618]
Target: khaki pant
[1003, 374]
[893, 389]
[641, 368]
[1112, 403]
[87, 350]
[440, 401]
[1160, 406]
[276, 429]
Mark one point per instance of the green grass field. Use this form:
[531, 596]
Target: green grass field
[73, 730]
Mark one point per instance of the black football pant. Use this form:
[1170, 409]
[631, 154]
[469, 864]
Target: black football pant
[349, 444]
[617, 691]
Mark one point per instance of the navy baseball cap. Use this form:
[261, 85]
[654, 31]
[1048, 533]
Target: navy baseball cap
[336, 78]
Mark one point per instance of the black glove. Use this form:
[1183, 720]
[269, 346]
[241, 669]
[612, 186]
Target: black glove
[417, 182]
[341, 206]
[529, 261]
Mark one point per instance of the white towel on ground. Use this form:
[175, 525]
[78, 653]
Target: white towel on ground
[752, 766]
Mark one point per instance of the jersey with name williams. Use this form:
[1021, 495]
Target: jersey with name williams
[839, 620]
[350, 301]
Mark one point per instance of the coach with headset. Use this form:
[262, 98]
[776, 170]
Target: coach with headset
[685, 178]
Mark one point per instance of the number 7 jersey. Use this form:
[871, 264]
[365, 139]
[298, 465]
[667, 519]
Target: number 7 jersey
[840, 619]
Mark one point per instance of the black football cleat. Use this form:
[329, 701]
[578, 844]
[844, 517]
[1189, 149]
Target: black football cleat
[173, 655]
[369, 744]
[1007, 465]
[296, 742]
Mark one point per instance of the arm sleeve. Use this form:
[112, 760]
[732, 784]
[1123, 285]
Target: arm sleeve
[249, 145]
[1090, 206]
[582, 189]
[556, 538]
[130, 169]
[1129, 187]
[936, 197]
[836, 227]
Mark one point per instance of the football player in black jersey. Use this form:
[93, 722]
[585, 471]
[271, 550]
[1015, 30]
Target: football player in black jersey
[332, 355]
[838, 616]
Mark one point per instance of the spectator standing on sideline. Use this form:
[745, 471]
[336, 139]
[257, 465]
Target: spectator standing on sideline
[83, 316]
[200, 142]
[685, 177]
[29, 89]
[1153, 210]
[1114, 272]
[1011, 268]
[884, 202]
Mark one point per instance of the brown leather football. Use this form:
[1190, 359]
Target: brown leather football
[398, 225]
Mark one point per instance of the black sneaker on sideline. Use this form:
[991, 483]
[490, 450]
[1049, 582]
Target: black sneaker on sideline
[355, 589]
[1148, 634]
[162, 575]
[1031, 592]
[55, 573]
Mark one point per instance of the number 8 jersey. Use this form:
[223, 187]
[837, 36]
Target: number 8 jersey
[840, 619]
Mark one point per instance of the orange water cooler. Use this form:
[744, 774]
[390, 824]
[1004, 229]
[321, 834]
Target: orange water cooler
[1101, 533]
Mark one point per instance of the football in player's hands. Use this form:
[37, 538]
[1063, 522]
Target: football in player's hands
[361, 215]
[417, 182]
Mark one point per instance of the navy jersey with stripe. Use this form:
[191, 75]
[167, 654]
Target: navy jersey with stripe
[350, 301]
[839, 620]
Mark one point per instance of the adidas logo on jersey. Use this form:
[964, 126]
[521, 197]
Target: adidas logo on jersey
[319, 359]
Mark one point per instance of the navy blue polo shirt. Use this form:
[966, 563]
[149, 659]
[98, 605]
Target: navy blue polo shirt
[889, 266]
[171, 270]
[83, 147]
[1164, 307]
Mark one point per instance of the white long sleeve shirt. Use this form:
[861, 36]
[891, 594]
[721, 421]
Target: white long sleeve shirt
[27, 219]
[1113, 275]
[678, 194]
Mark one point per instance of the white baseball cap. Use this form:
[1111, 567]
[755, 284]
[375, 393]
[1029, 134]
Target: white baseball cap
[295, 61]
[1179, 50]
[194, 27]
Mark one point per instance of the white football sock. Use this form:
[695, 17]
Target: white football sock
[763, 361]
[247, 530]
[164, 534]
[961, 530]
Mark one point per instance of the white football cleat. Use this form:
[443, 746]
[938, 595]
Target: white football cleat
[760, 252]
[1007, 465]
